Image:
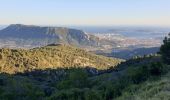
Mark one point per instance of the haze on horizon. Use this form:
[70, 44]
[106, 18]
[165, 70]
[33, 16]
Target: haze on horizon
[85, 12]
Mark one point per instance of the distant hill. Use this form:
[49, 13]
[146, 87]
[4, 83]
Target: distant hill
[127, 54]
[130, 53]
[28, 36]
[52, 56]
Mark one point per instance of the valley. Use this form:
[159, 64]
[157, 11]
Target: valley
[57, 63]
[84, 50]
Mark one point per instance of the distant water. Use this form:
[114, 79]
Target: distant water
[134, 32]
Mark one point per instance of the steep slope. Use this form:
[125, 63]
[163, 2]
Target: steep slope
[51, 56]
[18, 35]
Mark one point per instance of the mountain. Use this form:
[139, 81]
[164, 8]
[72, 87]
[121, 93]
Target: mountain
[28, 36]
[52, 56]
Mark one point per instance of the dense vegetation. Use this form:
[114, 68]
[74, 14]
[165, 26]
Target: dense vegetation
[140, 78]
[165, 50]
[51, 56]
[80, 84]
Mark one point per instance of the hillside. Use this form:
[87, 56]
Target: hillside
[52, 56]
[149, 90]
[136, 82]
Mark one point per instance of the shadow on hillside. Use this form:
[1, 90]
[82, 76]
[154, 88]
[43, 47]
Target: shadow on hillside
[45, 80]
[58, 74]
[54, 82]
[53, 75]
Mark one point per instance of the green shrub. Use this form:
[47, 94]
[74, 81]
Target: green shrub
[157, 69]
[93, 95]
[140, 74]
[72, 94]
[137, 75]
[77, 78]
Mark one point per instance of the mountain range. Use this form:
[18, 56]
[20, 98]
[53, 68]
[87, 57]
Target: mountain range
[28, 36]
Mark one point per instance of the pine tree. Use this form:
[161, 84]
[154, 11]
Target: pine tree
[165, 50]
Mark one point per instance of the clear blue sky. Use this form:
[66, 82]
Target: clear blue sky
[85, 12]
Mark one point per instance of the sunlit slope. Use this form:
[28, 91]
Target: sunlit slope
[51, 56]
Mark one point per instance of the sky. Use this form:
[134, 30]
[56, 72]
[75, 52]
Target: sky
[85, 12]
